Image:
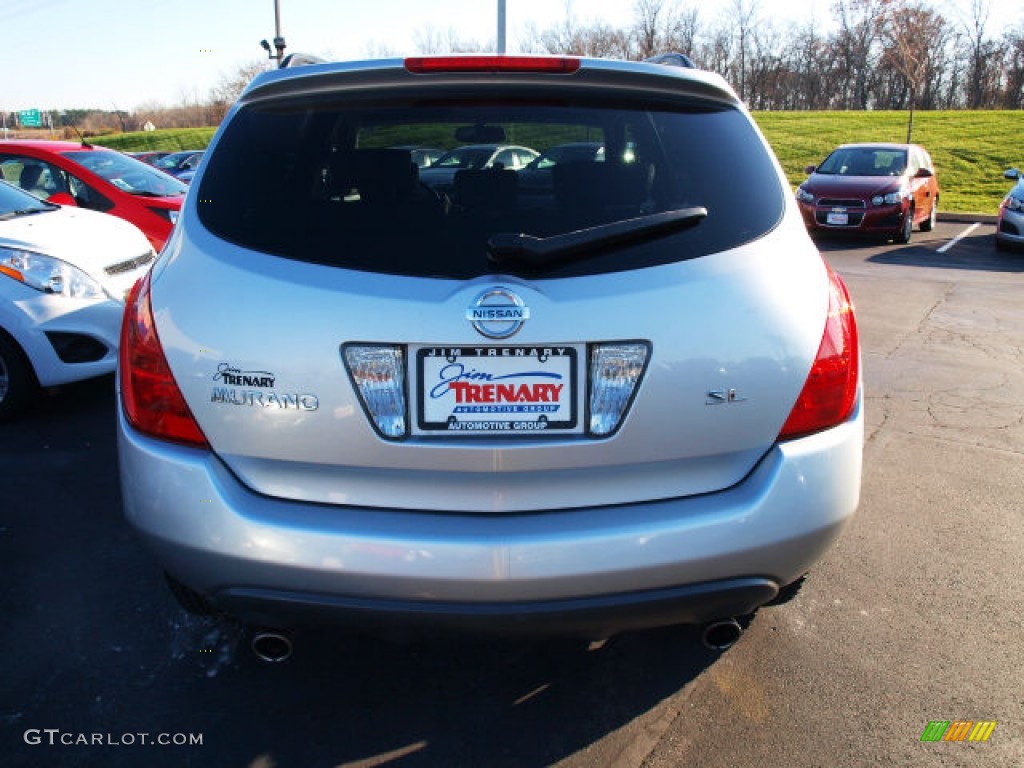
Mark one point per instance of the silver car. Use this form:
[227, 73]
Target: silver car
[349, 395]
[1010, 224]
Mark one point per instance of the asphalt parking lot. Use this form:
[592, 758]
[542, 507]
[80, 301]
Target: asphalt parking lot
[914, 617]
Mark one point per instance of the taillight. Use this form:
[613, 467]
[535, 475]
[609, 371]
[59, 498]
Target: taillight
[153, 404]
[557, 65]
[830, 392]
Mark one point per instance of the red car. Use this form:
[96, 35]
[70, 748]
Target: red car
[72, 173]
[875, 189]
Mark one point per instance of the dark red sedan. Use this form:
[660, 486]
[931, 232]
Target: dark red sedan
[874, 189]
[72, 173]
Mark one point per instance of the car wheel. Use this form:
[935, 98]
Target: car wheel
[929, 224]
[907, 229]
[17, 381]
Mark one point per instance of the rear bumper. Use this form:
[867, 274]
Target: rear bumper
[599, 569]
[593, 617]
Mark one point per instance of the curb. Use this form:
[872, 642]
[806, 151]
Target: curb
[968, 218]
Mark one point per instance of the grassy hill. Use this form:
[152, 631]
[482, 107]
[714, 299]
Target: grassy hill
[170, 140]
[971, 149]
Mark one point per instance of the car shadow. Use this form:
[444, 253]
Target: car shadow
[95, 644]
[976, 253]
[500, 702]
[53, 407]
[980, 255]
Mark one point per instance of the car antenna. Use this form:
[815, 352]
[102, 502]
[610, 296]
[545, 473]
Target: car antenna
[85, 144]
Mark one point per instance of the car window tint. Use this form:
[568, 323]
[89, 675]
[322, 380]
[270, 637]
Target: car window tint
[335, 182]
[35, 176]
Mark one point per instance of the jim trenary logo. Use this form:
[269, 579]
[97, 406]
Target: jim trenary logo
[958, 730]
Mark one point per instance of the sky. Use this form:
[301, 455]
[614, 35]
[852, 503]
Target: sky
[123, 54]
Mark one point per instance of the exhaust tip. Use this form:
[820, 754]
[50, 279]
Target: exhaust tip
[720, 635]
[271, 646]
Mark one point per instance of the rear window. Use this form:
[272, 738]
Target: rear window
[339, 182]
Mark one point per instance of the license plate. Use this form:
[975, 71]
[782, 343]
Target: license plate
[838, 219]
[497, 390]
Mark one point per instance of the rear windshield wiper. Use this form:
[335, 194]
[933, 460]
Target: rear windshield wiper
[582, 243]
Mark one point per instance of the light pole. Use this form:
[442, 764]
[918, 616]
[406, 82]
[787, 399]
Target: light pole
[279, 43]
[501, 26]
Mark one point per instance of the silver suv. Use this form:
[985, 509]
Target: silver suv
[622, 396]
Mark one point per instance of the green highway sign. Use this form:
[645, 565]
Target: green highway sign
[30, 118]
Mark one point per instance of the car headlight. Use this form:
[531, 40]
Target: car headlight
[49, 275]
[1013, 203]
[893, 198]
[804, 196]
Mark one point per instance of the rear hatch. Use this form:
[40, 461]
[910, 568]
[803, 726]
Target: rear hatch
[636, 327]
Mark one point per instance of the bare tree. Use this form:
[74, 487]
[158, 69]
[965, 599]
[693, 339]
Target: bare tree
[767, 73]
[661, 27]
[1013, 95]
[980, 52]
[891, 54]
[98, 123]
[909, 31]
[598, 40]
[810, 69]
[683, 31]
[646, 28]
[716, 52]
[745, 16]
[431, 40]
[230, 86]
[855, 48]
[374, 49]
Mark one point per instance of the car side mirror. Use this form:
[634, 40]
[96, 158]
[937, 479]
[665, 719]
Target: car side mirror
[923, 173]
[1012, 174]
[62, 198]
[810, 169]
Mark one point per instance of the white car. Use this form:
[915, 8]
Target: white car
[64, 274]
